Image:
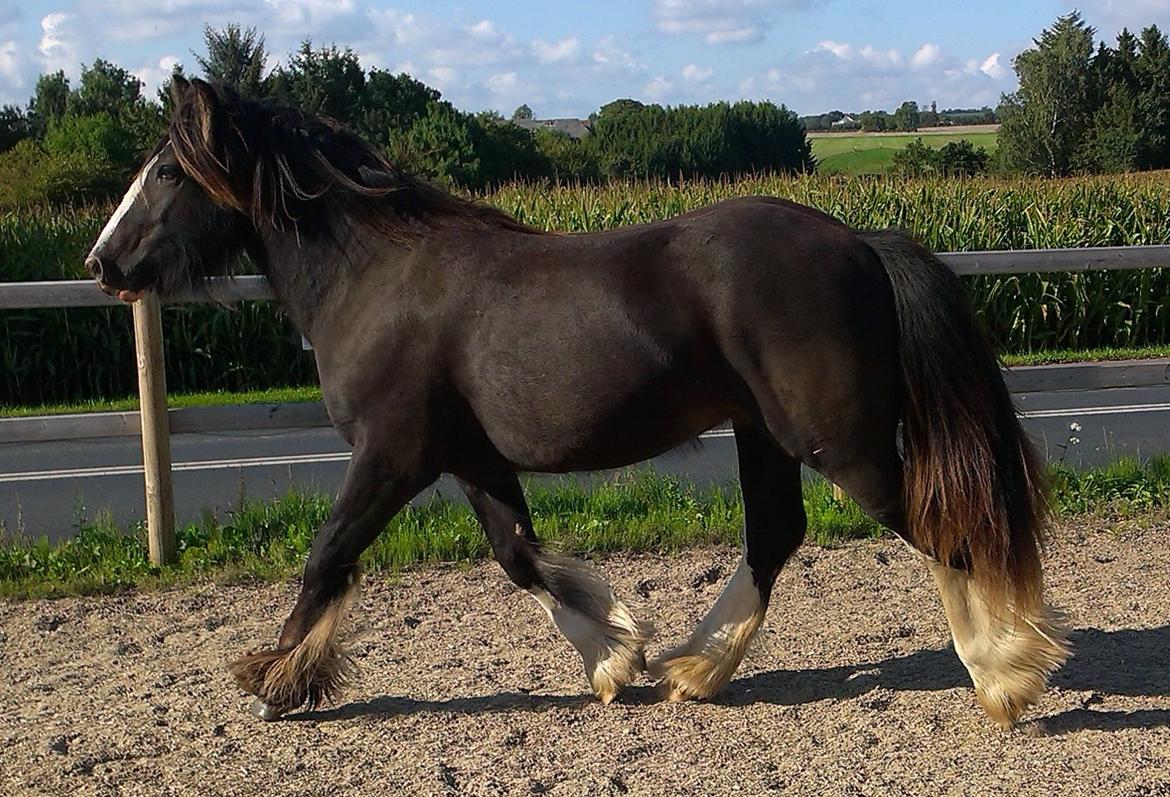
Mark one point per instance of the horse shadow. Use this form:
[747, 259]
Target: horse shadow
[1131, 662]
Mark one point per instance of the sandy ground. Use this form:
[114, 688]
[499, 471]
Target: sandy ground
[851, 689]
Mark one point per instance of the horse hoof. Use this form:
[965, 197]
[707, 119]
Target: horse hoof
[263, 711]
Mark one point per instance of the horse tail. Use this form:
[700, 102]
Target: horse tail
[974, 489]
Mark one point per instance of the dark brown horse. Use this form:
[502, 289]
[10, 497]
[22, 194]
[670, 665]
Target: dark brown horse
[451, 338]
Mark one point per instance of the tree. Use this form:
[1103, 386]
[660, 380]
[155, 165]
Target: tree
[14, 127]
[1151, 70]
[439, 146]
[326, 81]
[1045, 120]
[235, 57]
[391, 104]
[875, 121]
[49, 102]
[523, 112]
[907, 117]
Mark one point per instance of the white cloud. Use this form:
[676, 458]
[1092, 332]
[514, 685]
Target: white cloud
[58, 46]
[610, 57]
[720, 21]
[657, 88]
[402, 28]
[695, 74]
[442, 77]
[506, 84]
[1110, 16]
[481, 44]
[153, 77]
[839, 49]
[11, 68]
[556, 52]
[854, 77]
[307, 14]
[992, 67]
[927, 55]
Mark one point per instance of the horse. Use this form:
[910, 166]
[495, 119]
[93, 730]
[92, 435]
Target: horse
[452, 338]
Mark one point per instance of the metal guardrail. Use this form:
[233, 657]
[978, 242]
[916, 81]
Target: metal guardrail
[158, 423]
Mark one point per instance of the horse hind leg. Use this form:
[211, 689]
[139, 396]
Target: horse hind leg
[609, 638]
[1009, 650]
[774, 527]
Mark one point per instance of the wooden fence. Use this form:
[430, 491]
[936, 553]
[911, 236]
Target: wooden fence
[153, 417]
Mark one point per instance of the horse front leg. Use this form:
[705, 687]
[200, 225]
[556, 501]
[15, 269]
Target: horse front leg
[309, 664]
[578, 599]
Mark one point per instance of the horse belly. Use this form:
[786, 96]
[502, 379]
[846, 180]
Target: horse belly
[599, 426]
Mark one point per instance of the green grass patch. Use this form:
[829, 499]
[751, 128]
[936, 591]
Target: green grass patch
[218, 398]
[636, 511]
[1085, 356]
[868, 153]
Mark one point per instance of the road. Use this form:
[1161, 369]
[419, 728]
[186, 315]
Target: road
[46, 488]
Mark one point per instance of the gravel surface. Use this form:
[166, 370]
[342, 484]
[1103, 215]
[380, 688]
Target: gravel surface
[465, 688]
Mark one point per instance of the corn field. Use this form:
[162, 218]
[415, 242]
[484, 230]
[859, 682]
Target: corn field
[66, 355]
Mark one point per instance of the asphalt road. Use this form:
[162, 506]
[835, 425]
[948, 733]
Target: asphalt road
[47, 488]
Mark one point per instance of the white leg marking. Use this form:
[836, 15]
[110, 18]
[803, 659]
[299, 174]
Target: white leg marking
[612, 643]
[123, 207]
[1009, 654]
[702, 665]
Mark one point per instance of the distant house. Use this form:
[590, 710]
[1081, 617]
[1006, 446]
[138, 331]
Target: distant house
[573, 128]
[847, 121]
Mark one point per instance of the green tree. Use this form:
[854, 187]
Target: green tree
[1151, 70]
[569, 159]
[235, 57]
[328, 81]
[907, 117]
[49, 102]
[14, 127]
[875, 121]
[523, 112]
[1045, 120]
[391, 104]
[439, 145]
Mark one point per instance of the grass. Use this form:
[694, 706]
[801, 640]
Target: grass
[636, 511]
[217, 398]
[290, 395]
[861, 153]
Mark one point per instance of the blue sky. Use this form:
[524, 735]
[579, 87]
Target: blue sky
[567, 58]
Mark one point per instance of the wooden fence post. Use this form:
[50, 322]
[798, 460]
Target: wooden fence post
[156, 435]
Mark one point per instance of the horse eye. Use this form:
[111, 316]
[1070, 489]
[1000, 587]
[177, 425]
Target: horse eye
[170, 173]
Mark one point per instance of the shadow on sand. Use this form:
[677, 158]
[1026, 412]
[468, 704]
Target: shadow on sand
[1132, 662]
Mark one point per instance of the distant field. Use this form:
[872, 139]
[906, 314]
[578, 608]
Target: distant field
[873, 153]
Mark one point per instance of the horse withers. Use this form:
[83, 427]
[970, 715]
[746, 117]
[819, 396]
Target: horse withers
[452, 338]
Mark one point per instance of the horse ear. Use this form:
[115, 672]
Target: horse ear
[180, 88]
[207, 108]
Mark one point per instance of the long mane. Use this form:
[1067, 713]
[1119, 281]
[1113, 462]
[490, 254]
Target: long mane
[286, 168]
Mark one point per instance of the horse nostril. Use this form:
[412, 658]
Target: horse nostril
[94, 265]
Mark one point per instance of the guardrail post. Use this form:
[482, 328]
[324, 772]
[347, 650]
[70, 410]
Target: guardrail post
[156, 436]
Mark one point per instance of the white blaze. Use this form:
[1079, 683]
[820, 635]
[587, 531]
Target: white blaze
[124, 208]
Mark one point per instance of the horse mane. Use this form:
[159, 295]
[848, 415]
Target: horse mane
[284, 167]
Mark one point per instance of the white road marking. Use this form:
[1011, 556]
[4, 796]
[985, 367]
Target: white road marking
[206, 464]
[1120, 409]
[343, 456]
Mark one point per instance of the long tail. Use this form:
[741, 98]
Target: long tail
[975, 492]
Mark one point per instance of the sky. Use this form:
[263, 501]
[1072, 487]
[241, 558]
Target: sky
[568, 58]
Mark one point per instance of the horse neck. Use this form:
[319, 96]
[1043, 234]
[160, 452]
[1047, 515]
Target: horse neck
[310, 274]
